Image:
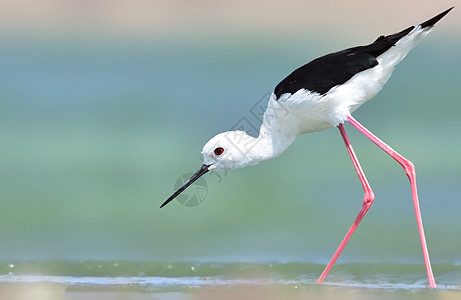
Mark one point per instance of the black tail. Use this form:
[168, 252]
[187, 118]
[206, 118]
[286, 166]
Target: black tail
[431, 22]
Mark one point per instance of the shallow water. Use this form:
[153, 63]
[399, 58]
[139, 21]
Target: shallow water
[176, 276]
[251, 286]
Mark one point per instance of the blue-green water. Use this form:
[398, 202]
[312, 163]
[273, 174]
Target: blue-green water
[94, 134]
[177, 276]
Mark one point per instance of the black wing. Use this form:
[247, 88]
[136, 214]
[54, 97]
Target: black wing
[333, 69]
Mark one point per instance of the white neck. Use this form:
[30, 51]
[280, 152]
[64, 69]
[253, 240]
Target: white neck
[269, 144]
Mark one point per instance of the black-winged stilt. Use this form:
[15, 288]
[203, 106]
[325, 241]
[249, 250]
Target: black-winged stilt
[319, 95]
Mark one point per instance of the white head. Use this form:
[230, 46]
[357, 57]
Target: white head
[230, 150]
[226, 151]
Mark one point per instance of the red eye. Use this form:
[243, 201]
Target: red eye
[219, 151]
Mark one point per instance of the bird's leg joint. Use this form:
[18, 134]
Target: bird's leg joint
[369, 198]
[409, 168]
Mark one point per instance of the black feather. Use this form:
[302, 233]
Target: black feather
[323, 73]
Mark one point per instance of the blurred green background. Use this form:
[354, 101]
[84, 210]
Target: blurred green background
[103, 105]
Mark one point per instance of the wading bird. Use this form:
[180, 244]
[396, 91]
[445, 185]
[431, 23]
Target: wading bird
[319, 95]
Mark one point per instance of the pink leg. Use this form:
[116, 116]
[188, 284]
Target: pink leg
[367, 201]
[410, 171]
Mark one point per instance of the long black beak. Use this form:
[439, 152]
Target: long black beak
[203, 169]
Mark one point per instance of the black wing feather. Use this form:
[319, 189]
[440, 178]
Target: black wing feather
[333, 69]
[323, 73]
